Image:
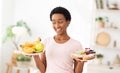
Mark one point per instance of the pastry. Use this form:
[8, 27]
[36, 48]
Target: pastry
[87, 54]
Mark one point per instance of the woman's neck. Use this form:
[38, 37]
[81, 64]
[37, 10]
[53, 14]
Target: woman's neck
[61, 38]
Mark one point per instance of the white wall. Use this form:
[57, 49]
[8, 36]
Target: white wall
[7, 19]
[0, 35]
[36, 14]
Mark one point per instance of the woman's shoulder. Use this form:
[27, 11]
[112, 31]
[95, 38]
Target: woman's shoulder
[77, 44]
[47, 39]
[75, 41]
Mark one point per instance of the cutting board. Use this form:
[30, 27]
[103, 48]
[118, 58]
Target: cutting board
[103, 38]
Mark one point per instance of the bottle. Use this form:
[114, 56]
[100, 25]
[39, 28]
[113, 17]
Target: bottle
[117, 59]
[115, 44]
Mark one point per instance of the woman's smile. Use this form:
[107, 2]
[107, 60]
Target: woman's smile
[58, 30]
[59, 23]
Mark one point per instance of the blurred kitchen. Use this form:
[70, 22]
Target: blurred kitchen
[95, 23]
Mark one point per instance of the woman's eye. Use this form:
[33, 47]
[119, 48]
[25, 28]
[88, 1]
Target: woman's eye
[60, 22]
[53, 22]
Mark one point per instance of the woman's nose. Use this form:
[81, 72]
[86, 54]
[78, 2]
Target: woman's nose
[57, 25]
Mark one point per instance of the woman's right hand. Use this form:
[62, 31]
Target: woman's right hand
[36, 56]
[40, 62]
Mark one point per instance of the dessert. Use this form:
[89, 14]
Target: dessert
[84, 55]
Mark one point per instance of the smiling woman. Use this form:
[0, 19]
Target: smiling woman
[57, 48]
[36, 12]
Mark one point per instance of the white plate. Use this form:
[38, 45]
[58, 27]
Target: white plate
[83, 60]
[76, 55]
[31, 54]
[81, 56]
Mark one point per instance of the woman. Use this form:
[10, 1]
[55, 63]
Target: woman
[56, 56]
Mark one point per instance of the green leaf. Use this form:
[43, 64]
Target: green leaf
[99, 19]
[8, 34]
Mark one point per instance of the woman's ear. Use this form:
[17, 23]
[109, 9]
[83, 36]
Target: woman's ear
[68, 22]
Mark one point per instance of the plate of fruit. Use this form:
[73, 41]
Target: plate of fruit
[84, 55]
[32, 48]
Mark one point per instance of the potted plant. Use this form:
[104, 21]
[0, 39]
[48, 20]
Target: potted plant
[23, 60]
[13, 31]
[99, 55]
[99, 58]
[100, 21]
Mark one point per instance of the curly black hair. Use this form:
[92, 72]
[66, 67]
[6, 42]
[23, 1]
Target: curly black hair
[61, 10]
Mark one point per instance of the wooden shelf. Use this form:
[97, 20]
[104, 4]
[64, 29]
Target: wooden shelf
[102, 47]
[107, 11]
[108, 29]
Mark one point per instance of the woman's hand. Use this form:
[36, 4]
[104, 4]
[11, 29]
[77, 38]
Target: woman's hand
[84, 58]
[40, 63]
[78, 65]
[36, 56]
[77, 59]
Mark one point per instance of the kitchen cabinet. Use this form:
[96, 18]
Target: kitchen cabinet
[101, 68]
[105, 35]
[110, 30]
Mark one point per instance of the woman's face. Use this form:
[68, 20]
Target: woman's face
[59, 23]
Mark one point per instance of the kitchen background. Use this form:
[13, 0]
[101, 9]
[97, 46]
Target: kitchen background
[83, 26]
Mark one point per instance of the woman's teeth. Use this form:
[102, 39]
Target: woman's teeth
[59, 29]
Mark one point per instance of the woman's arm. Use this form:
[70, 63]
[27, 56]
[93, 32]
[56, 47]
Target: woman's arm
[78, 66]
[41, 63]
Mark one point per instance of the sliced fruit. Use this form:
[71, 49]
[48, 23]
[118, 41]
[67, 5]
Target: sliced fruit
[39, 47]
[28, 50]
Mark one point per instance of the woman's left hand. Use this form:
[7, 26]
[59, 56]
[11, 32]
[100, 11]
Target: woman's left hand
[84, 58]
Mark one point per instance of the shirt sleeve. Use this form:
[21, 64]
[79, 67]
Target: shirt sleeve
[79, 47]
[45, 42]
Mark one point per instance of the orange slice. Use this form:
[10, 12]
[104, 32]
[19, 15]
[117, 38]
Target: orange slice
[28, 50]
